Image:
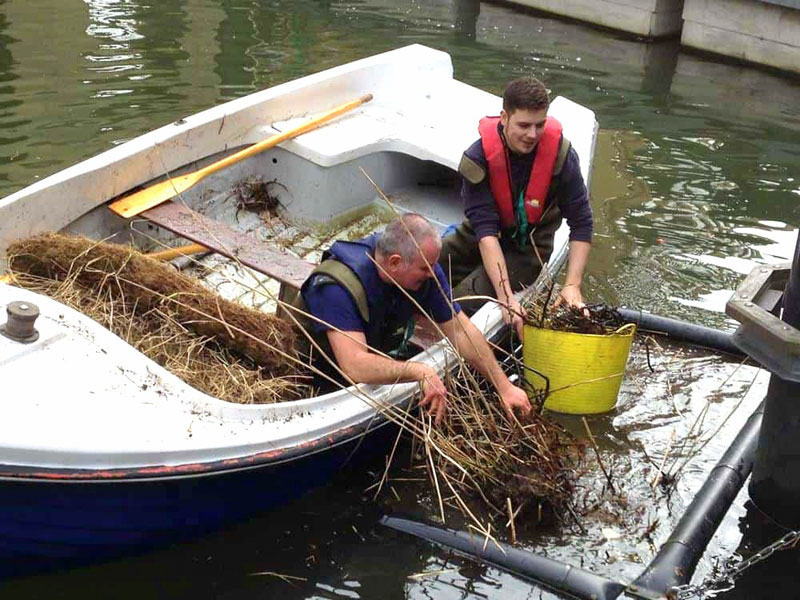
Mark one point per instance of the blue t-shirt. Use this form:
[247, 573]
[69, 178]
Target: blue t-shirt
[333, 304]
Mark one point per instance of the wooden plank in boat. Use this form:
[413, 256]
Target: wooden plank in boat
[219, 237]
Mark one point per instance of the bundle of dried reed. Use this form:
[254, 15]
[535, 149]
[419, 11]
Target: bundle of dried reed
[167, 316]
[144, 284]
[488, 467]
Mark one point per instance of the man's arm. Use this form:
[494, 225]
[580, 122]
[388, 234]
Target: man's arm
[495, 265]
[571, 291]
[362, 366]
[472, 346]
[574, 204]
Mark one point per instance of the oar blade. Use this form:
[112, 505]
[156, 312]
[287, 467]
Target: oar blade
[140, 201]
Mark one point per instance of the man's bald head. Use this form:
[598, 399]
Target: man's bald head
[405, 234]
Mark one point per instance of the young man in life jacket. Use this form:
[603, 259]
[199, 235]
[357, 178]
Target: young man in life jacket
[355, 297]
[518, 181]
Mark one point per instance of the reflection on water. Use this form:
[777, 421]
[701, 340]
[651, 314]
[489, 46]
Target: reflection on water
[774, 240]
[694, 184]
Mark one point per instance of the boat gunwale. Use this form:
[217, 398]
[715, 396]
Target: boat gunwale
[198, 469]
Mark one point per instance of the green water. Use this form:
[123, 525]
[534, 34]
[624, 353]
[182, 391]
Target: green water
[694, 184]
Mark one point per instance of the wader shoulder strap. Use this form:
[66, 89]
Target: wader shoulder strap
[563, 150]
[343, 275]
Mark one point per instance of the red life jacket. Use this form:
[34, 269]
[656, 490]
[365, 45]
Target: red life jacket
[499, 171]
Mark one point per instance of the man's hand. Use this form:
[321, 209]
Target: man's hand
[512, 315]
[362, 366]
[434, 395]
[571, 294]
[514, 398]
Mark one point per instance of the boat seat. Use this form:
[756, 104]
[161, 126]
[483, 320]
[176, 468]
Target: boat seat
[290, 270]
[422, 122]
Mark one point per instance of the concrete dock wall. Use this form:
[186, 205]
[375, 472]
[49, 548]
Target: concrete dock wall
[648, 18]
[758, 32]
[765, 32]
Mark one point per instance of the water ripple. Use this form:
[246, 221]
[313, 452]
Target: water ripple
[112, 19]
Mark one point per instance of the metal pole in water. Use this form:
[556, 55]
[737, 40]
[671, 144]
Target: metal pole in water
[775, 483]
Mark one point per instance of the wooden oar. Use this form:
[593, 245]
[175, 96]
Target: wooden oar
[164, 255]
[170, 253]
[140, 201]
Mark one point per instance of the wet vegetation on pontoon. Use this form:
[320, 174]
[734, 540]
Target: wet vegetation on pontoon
[490, 468]
[515, 465]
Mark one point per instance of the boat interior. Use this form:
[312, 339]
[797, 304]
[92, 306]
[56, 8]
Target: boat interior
[294, 217]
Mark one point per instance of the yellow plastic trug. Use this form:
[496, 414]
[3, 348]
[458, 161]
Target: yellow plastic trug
[585, 370]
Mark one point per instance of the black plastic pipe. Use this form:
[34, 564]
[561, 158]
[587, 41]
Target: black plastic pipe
[791, 296]
[677, 559]
[551, 573]
[680, 331]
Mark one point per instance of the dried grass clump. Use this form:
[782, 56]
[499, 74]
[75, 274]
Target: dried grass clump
[254, 194]
[144, 284]
[159, 323]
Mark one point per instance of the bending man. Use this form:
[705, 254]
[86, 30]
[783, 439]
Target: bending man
[354, 295]
[518, 181]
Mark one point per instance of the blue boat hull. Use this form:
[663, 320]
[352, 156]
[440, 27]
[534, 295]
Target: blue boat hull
[59, 521]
